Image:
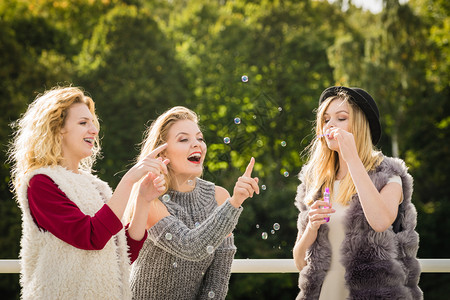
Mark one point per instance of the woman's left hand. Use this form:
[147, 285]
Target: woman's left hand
[346, 142]
[152, 186]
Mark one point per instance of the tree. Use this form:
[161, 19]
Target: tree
[129, 68]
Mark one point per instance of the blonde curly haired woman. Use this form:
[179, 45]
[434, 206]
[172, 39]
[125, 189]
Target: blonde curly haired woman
[73, 244]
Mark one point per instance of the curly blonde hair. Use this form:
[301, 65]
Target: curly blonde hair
[155, 136]
[323, 163]
[37, 138]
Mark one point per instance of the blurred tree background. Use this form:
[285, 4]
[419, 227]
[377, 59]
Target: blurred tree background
[137, 58]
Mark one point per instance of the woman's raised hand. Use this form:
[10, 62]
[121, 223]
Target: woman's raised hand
[152, 186]
[149, 164]
[245, 186]
[346, 142]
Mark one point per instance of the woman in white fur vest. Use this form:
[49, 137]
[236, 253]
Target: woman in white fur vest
[361, 243]
[74, 245]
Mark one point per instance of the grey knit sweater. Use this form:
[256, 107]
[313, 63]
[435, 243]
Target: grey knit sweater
[188, 255]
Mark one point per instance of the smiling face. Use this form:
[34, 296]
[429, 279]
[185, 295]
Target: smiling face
[337, 115]
[78, 135]
[186, 150]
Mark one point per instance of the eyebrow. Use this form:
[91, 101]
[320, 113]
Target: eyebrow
[341, 111]
[86, 118]
[179, 133]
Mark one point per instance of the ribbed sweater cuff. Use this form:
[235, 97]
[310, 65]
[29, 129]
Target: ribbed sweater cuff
[229, 211]
[227, 244]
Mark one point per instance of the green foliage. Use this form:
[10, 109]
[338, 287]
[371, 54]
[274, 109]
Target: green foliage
[130, 69]
[137, 58]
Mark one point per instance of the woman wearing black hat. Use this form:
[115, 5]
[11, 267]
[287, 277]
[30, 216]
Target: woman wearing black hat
[363, 244]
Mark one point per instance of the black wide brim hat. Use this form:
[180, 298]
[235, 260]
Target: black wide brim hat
[364, 101]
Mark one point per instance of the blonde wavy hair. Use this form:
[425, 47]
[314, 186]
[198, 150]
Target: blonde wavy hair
[37, 138]
[322, 166]
[155, 136]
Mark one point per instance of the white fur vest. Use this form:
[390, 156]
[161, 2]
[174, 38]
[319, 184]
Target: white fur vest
[53, 269]
[378, 265]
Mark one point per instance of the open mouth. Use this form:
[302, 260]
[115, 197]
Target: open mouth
[90, 141]
[195, 157]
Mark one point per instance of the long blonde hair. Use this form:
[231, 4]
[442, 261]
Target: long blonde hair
[322, 166]
[155, 136]
[37, 139]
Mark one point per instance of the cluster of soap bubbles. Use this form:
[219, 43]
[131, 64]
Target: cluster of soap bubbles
[259, 143]
[227, 140]
[265, 235]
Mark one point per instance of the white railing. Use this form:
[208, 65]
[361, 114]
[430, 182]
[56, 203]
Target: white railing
[428, 265]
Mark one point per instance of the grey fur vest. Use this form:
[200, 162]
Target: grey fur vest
[378, 265]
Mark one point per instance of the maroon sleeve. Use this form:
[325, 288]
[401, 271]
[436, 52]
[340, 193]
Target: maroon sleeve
[134, 246]
[53, 211]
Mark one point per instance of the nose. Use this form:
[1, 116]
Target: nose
[93, 129]
[329, 124]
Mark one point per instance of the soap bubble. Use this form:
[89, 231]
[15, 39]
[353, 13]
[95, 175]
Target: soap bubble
[257, 225]
[197, 224]
[283, 144]
[168, 236]
[272, 231]
[263, 187]
[175, 265]
[264, 235]
[276, 226]
[280, 108]
[166, 198]
[211, 294]
[190, 182]
[237, 121]
[210, 249]
[286, 174]
[244, 78]
[226, 140]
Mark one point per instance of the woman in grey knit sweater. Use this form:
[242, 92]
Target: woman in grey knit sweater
[190, 245]
[361, 243]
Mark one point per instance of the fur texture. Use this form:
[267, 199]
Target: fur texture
[53, 269]
[379, 265]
